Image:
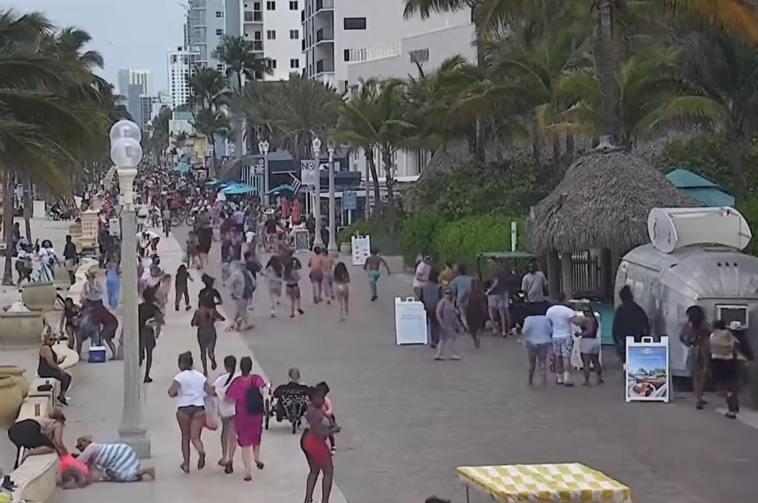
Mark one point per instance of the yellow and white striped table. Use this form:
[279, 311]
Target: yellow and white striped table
[564, 483]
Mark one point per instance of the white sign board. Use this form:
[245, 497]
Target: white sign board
[308, 173]
[361, 246]
[410, 321]
[648, 377]
[302, 240]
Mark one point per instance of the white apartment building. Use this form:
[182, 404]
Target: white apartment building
[182, 63]
[275, 29]
[206, 24]
[338, 30]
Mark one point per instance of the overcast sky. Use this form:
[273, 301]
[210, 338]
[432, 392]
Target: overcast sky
[128, 33]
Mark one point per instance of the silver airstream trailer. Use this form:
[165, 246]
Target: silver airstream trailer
[693, 258]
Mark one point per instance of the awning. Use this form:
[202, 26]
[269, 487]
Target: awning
[182, 167]
[238, 189]
[281, 188]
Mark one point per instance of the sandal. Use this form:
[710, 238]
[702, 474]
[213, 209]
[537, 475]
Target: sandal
[201, 461]
[259, 465]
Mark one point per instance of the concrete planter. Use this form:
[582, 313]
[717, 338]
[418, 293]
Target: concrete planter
[346, 248]
[18, 374]
[39, 296]
[21, 330]
[10, 401]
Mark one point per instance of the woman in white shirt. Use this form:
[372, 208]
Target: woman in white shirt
[47, 255]
[190, 388]
[226, 412]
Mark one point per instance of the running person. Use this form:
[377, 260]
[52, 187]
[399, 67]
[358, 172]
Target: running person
[327, 266]
[316, 274]
[341, 288]
[372, 266]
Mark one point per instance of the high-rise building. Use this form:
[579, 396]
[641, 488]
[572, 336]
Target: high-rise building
[274, 27]
[205, 25]
[340, 32]
[182, 63]
[131, 84]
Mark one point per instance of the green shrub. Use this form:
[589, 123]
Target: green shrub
[361, 227]
[418, 232]
[749, 210]
[461, 241]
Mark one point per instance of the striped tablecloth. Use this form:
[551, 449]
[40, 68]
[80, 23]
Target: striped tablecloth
[564, 483]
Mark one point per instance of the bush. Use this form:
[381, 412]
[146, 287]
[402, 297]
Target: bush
[417, 235]
[461, 241]
[749, 210]
[362, 227]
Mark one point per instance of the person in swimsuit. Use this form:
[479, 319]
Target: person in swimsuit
[204, 319]
[316, 275]
[291, 280]
[327, 266]
[274, 276]
[314, 444]
[341, 289]
[372, 266]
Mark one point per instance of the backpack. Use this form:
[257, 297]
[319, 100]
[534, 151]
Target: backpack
[249, 288]
[254, 400]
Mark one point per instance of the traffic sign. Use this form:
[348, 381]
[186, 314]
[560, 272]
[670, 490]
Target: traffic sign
[349, 201]
[308, 172]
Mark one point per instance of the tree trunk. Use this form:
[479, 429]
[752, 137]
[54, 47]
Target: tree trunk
[606, 68]
[569, 148]
[556, 140]
[369, 152]
[481, 62]
[536, 141]
[28, 208]
[734, 145]
[7, 181]
[388, 161]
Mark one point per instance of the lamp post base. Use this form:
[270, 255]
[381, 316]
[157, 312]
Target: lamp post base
[333, 250]
[137, 439]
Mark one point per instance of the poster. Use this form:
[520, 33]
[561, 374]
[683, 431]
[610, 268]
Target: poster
[302, 240]
[361, 247]
[410, 321]
[648, 378]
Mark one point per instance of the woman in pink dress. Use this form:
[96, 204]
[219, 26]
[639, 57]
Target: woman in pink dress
[245, 392]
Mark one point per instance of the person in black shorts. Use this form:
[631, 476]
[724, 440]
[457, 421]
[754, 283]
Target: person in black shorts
[148, 317]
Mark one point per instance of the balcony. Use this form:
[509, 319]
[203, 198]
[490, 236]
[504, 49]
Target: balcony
[302, 45]
[302, 16]
[248, 17]
[324, 5]
[258, 45]
[258, 16]
[324, 35]
[379, 51]
[324, 66]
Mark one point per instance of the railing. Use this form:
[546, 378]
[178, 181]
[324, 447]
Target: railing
[379, 51]
[324, 4]
[248, 16]
[324, 65]
[258, 45]
[323, 34]
[258, 16]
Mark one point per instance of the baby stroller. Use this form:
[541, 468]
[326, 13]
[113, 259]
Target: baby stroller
[286, 403]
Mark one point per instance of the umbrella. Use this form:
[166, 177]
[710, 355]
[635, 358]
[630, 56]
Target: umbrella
[238, 188]
[182, 167]
[281, 188]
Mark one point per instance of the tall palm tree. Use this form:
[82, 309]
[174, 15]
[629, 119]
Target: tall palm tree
[240, 58]
[211, 123]
[209, 88]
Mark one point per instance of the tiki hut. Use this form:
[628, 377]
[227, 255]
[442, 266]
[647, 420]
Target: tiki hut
[598, 213]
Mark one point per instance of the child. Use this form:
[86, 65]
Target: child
[181, 287]
[328, 411]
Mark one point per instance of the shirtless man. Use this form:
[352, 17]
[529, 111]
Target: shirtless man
[327, 266]
[372, 266]
[317, 274]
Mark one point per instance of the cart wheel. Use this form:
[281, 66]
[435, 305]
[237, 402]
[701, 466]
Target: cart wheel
[267, 411]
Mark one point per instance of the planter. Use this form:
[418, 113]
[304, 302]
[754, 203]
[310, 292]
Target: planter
[10, 401]
[39, 296]
[346, 248]
[18, 374]
[22, 330]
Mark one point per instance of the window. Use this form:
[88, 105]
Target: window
[294, 34]
[354, 23]
[346, 55]
[294, 63]
[219, 31]
[293, 5]
[270, 5]
[257, 6]
[257, 35]
[272, 64]
[270, 35]
[219, 14]
[730, 313]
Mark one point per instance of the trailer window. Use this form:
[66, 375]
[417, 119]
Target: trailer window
[732, 313]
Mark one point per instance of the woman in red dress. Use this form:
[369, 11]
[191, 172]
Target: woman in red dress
[314, 445]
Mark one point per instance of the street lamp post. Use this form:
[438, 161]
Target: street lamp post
[332, 248]
[263, 149]
[126, 154]
[317, 241]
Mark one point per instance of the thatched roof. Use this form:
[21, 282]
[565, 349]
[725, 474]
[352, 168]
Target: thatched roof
[602, 202]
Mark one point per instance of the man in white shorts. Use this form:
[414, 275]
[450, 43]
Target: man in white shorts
[561, 316]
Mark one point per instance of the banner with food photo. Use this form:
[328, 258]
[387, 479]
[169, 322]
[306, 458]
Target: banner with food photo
[647, 370]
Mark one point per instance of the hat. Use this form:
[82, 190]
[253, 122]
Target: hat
[735, 325]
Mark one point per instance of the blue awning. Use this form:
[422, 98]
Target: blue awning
[238, 189]
[281, 188]
[182, 167]
[700, 189]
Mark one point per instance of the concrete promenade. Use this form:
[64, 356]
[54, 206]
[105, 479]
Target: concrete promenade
[96, 410]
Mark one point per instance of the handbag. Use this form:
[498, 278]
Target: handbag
[212, 418]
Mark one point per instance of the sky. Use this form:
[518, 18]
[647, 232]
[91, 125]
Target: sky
[128, 33]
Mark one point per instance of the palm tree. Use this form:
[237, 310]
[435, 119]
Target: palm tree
[240, 58]
[209, 88]
[718, 74]
[211, 123]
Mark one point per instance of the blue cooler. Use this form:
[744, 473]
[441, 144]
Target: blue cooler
[96, 354]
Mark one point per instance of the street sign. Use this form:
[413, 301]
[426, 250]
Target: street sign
[308, 172]
[349, 201]
[260, 167]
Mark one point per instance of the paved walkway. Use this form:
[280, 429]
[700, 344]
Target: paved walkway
[96, 410]
[408, 421]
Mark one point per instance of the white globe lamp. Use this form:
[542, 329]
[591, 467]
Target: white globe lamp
[125, 129]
